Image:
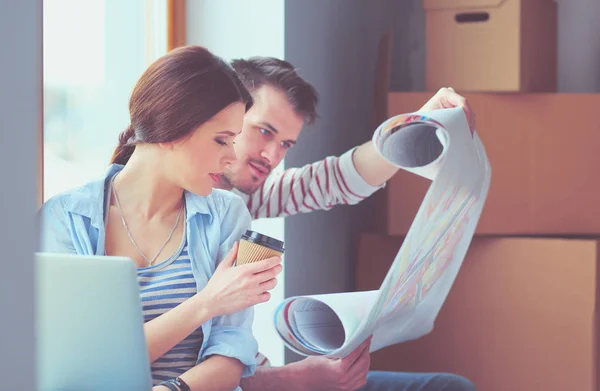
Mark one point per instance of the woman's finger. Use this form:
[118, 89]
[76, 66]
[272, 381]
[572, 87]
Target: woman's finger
[260, 266]
[268, 285]
[268, 274]
[262, 297]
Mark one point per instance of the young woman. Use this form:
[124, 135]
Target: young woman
[156, 205]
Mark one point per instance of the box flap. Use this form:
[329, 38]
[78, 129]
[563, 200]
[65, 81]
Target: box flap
[460, 4]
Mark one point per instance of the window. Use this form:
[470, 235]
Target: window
[94, 52]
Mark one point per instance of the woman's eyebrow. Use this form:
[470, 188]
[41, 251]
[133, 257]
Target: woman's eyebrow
[229, 133]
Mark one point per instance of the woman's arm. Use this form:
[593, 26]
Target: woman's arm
[216, 373]
[230, 349]
[230, 289]
[231, 334]
[167, 330]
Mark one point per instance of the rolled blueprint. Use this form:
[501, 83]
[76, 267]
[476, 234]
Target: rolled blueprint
[437, 145]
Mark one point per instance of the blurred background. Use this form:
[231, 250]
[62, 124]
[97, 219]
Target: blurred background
[523, 312]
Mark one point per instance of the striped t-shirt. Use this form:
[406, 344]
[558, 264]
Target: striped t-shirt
[317, 186]
[163, 287]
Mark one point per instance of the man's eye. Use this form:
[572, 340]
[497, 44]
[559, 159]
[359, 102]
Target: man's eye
[287, 145]
[264, 131]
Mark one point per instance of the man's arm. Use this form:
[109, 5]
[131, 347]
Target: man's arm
[347, 179]
[373, 168]
[317, 186]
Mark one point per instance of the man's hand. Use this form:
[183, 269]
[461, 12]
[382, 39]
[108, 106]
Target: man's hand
[374, 169]
[446, 98]
[346, 374]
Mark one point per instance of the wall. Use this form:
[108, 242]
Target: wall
[578, 45]
[334, 45]
[239, 29]
[20, 117]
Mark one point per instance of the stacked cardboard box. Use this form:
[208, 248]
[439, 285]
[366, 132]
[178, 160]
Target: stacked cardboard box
[544, 152]
[522, 314]
[491, 45]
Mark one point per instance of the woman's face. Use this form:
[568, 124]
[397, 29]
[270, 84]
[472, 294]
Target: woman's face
[199, 161]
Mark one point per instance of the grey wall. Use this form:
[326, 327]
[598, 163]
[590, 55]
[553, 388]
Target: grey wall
[334, 45]
[20, 116]
[408, 56]
[578, 45]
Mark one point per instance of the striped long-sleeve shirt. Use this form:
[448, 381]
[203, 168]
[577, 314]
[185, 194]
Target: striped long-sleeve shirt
[317, 186]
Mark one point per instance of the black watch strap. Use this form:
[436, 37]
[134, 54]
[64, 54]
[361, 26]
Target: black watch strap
[181, 384]
[170, 384]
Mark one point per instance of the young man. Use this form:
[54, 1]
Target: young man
[284, 103]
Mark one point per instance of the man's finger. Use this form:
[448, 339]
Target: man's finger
[356, 353]
[455, 100]
[362, 363]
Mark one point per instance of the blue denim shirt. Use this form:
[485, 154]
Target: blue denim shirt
[73, 222]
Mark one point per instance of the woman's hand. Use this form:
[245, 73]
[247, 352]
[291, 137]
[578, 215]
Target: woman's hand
[234, 288]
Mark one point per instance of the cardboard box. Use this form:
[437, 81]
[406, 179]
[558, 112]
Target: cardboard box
[491, 45]
[544, 153]
[521, 315]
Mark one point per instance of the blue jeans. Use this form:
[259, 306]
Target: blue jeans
[401, 381]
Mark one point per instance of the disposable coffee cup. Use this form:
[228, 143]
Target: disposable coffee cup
[255, 247]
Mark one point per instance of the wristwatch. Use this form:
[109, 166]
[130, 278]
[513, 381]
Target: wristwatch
[176, 384]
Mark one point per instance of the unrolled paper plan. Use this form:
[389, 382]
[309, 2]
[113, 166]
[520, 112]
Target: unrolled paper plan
[437, 145]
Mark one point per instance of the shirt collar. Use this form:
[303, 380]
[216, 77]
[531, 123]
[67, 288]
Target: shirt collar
[88, 201]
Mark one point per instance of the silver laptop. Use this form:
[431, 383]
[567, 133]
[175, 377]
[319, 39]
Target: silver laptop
[90, 332]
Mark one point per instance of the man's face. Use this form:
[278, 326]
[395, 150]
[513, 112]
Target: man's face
[271, 127]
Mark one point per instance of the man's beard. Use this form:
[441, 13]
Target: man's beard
[246, 188]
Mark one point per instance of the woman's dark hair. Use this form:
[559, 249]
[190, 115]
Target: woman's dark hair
[177, 93]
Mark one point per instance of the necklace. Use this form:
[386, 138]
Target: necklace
[149, 261]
